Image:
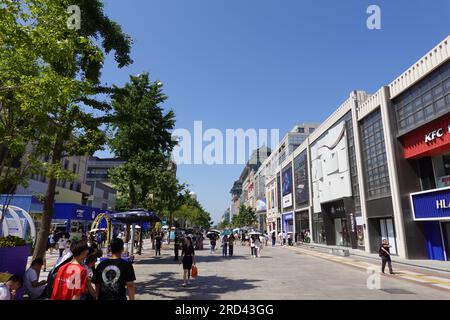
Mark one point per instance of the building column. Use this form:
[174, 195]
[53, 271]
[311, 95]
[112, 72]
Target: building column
[393, 176]
[310, 187]
[359, 167]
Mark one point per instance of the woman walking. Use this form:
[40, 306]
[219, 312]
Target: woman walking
[231, 245]
[258, 245]
[252, 246]
[188, 259]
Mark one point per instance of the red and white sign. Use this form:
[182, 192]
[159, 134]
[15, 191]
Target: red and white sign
[430, 140]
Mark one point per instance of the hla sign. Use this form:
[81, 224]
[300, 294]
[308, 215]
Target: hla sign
[439, 133]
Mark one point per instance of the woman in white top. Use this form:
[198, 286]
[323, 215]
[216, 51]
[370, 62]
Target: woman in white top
[252, 246]
[257, 247]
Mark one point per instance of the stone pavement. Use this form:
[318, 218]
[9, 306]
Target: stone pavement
[281, 273]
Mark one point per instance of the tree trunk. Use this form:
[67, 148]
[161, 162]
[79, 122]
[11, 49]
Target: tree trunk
[49, 200]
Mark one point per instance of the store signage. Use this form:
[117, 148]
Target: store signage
[431, 205]
[429, 140]
[439, 133]
[287, 201]
[288, 216]
[80, 213]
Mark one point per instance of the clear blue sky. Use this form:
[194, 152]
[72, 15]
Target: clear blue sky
[266, 63]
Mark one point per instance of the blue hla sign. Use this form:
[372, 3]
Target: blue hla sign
[442, 204]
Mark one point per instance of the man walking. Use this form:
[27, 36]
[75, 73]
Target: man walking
[114, 277]
[385, 256]
[274, 238]
[71, 281]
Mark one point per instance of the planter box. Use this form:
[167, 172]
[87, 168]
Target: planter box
[14, 261]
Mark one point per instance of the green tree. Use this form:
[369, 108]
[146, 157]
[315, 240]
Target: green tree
[246, 217]
[63, 98]
[140, 135]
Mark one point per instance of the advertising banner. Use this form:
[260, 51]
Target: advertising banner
[431, 204]
[287, 187]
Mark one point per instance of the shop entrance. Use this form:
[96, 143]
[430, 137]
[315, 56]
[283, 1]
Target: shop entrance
[341, 232]
[388, 232]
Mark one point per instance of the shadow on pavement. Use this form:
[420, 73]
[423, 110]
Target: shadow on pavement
[167, 284]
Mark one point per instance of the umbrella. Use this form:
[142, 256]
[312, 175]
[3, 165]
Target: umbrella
[211, 234]
[227, 232]
[99, 229]
[253, 233]
[273, 231]
[135, 216]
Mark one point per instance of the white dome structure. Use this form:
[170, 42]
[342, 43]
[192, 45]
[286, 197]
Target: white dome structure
[18, 222]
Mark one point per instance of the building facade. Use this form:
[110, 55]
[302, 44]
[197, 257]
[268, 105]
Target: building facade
[377, 168]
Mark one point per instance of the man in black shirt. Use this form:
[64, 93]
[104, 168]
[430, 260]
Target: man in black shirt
[113, 276]
[385, 256]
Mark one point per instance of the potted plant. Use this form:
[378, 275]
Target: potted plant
[14, 252]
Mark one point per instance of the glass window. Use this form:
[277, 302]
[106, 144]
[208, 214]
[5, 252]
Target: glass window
[440, 105]
[374, 158]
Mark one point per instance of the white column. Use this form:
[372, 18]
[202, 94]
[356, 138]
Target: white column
[393, 176]
[359, 166]
[310, 187]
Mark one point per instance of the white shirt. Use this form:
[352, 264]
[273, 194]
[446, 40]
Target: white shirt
[29, 277]
[5, 294]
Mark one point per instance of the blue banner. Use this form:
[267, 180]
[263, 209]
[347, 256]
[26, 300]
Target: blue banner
[431, 205]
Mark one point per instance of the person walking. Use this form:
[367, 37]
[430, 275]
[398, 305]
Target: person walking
[274, 239]
[231, 245]
[62, 243]
[71, 281]
[224, 245]
[284, 238]
[158, 241]
[385, 255]
[115, 277]
[188, 259]
[252, 246]
[213, 243]
[176, 246]
[51, 242]
[258, 245]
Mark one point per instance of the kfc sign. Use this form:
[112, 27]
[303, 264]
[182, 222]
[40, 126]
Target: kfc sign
[429, 140]
[439, 133]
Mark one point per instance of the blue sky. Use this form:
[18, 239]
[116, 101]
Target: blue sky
[266, 63]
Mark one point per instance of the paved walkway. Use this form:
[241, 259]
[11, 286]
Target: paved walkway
[434, 265]
[422, 276]
[281, 273]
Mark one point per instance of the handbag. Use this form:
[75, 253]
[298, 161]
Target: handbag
[194, 271]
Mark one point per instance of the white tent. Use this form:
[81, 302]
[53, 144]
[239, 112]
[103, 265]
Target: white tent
[18, 222]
